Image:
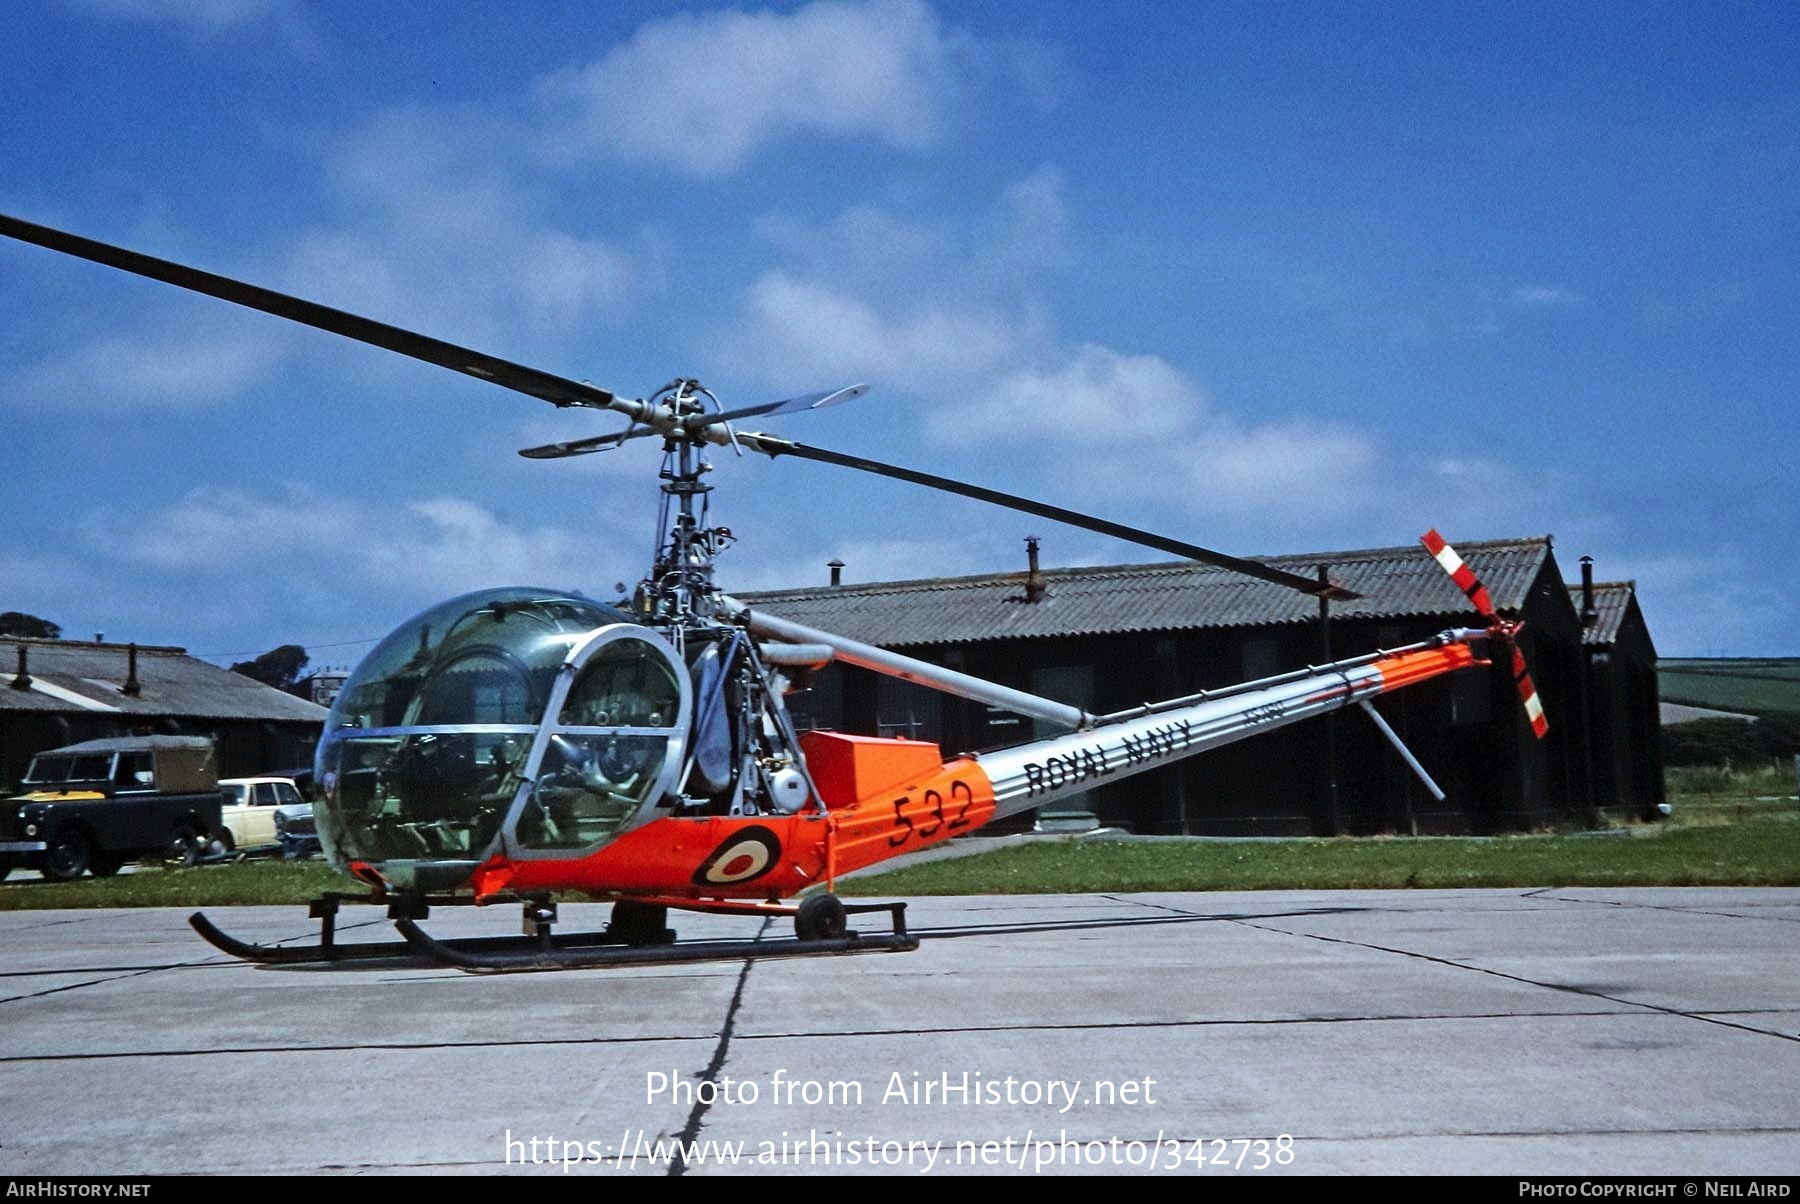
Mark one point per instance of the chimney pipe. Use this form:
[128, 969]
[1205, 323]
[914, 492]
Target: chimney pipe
[1589, 615]
[837, 570]
[131, 688]
[23, 680]
[1035, 586]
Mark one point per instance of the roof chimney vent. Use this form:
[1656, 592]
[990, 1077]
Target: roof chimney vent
[23, 680]
[1589, 614]
[837, 570]
[1035, 586]
[131, 688]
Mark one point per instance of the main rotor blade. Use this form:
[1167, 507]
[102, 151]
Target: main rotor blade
[773, 447]
[793, 405]
[581, 447]
[557, 390]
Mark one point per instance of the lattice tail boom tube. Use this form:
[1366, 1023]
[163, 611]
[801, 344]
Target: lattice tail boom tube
[1032, 775]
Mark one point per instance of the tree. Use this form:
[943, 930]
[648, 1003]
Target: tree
[14, 622]
[279, 668]
[1720, 741]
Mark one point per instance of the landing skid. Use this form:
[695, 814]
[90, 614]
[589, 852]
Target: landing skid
[625, 942]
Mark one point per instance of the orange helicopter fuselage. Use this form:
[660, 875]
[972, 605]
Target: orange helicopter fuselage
[884, 797]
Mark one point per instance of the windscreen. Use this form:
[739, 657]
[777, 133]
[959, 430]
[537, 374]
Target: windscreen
[425, 747]
[48, 769]
[56, 770]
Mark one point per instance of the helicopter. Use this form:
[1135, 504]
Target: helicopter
[517, 744]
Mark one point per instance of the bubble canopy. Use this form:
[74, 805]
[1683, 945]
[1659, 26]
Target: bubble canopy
[523, 721]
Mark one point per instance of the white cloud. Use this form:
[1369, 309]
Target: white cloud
[936, 309]
[211, 19]
[1108, 425]
[1263, 483]
[43, 583]
[797, 329]
[453, 545]
[435, 205]
[1099, 396]
[223, 570]
[1542, 294]
[1717, 603]
[863, 245]
[1028, 233]
[949, 314]
[437, 233]
[703, 93]
[212, 528]
[925, 309]
[185, 366]
[206, 16]
[1007, 251]
[1296, 467]
[421, 550]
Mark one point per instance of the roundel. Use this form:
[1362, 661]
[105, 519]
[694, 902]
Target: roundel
[745, 854]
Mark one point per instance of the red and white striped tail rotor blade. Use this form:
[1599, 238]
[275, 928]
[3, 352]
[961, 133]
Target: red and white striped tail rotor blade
[1534, 708]
[1462, 574]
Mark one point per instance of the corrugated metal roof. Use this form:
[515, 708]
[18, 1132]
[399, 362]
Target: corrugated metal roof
[78, 677]
[1395, 583]
[1611, 600]
[107, 744]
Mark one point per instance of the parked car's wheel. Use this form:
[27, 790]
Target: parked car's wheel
[68, 855]
[105, 865]
[223, 842]
[185, 847]
[5, 869]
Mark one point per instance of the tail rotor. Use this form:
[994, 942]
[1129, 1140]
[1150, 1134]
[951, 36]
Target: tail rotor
[1504, 631]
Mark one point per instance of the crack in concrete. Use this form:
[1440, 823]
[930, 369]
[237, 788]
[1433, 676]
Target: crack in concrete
[697, 1117]
[1585, 992]
[1542, 893]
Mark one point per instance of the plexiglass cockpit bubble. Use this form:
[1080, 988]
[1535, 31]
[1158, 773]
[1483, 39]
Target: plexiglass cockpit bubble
[433, 736]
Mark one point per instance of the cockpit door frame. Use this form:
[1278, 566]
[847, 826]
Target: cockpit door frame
[675, 733]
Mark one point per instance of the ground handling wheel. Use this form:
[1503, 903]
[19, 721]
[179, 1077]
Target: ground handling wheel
[821, 918]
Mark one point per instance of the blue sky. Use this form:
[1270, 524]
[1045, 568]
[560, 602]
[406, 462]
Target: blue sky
[1270, 278]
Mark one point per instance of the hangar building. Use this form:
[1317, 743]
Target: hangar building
[65, 691]
[1109, 638]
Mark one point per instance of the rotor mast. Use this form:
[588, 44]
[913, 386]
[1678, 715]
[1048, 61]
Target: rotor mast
[680, 589]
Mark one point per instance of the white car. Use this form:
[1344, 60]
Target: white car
[247, 810]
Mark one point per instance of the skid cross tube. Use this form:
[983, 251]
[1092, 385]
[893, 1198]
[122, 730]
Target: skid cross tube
[528, 956]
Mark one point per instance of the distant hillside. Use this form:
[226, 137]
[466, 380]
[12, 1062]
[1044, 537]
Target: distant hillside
[1756, 685]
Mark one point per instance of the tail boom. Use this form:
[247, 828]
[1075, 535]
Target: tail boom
[1031, 775]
